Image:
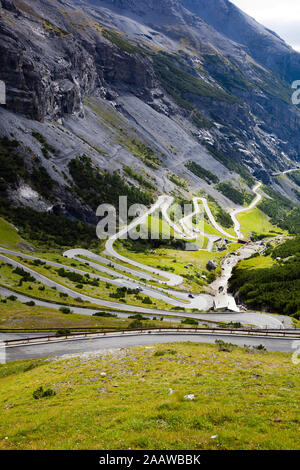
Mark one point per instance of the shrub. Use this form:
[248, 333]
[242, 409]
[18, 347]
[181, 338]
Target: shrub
[252, 349]
[160, 353]
[65, 310]
[63, 332]
[139, 178]
[135, 324]
[234, 325]
[189, 321]
[222, 217]
[147, 301]
[26, 277]
[138, 317]
[105, 315]
[225, 347]
[259, 348]
[41, 393]
[266, 288]
[12, 297]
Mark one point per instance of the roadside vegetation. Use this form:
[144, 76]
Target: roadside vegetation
[243, 399]
[265, 287]
[81, 284]
[22, 283]
[281, 210]
[16, 315]
[221, 216]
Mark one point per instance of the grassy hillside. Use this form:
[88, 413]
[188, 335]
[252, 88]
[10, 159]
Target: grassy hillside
[15, 315]
[222, 217]
[243, 400]
[255, 221]
[9, 237]
[191, 265]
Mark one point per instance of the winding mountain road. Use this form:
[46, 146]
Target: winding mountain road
[258, 320]
[98, 344]
[172, 297]
[235, 212]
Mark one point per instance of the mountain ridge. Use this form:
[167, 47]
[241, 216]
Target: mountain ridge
[110, 85]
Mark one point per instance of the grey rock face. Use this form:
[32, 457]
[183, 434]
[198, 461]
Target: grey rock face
[48, 65]
[211, 265]
[8, 5]
[261, 43]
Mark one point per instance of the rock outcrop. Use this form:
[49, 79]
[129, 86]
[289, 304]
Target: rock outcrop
[49, 64]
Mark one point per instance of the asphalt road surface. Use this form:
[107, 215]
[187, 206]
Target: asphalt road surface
[63, 347]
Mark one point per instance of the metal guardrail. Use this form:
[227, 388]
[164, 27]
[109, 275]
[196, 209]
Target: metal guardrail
[240, 332]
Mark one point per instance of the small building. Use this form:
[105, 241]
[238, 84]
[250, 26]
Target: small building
[225, 302]
[191, 247]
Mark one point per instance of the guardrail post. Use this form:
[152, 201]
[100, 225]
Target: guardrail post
[3, 352]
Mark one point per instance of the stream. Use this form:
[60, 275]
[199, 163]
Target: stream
[220, 286]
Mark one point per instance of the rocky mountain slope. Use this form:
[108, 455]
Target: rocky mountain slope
[265, 46]
[143, 89]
